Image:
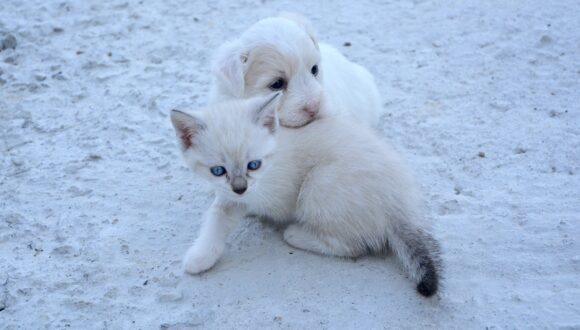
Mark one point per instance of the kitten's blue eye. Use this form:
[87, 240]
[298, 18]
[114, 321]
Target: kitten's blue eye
[218, 170]
[278, 84]
[254, 165]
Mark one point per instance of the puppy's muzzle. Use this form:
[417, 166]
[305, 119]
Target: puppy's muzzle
[312, 108]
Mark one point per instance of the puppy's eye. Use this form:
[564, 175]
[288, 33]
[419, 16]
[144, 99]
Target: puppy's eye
[314, 70]
[278, 84]
[254, 165]
[218, 170]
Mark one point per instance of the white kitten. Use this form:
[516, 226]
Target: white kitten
[282, 54]
[343, 190]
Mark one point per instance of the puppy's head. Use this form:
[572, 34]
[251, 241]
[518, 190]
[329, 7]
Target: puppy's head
[275, 54]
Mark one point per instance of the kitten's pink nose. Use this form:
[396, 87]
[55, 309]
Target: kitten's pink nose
[312, 108]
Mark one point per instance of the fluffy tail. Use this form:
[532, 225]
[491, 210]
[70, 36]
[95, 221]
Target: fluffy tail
[420, 254]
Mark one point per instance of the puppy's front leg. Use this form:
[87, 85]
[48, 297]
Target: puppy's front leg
[219, 221]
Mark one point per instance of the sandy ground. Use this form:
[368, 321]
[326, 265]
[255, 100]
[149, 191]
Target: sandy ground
[97, 208]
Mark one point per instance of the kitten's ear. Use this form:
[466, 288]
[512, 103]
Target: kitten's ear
[187, 128]
[266, 111]
[228, 68]
[303, 22]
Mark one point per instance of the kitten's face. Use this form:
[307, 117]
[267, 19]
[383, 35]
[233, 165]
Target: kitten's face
[230, 146]
[277, 54]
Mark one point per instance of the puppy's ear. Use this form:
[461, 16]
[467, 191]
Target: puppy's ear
[303, 22]
[187, 128]
[266, 111]
[229, 68]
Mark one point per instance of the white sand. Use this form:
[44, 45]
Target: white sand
[97, 208]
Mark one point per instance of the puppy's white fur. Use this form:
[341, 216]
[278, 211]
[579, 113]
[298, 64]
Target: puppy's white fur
[286, 47]
[344, 191]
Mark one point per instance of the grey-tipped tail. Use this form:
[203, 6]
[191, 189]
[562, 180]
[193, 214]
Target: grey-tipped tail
[419, 253]
[429, 283]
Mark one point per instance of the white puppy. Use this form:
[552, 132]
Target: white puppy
[282, 54]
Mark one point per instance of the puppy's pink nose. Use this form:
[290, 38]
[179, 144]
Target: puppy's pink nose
[312, 108]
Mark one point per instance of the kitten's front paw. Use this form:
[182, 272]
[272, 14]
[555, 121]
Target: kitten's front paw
[197, 261]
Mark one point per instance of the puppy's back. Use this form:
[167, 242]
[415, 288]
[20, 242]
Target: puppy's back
[349, 87]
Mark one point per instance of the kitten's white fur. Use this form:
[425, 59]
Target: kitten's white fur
[286, 47]
[344, 191]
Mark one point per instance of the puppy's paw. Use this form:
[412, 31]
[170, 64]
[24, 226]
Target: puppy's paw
[198, 260]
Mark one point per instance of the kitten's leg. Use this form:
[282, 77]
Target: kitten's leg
[299, 237]
[220, 219]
